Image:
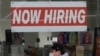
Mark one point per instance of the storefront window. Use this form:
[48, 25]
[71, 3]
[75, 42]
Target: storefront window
[40, 43]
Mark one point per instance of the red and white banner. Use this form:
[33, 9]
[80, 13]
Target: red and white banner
[48, 16]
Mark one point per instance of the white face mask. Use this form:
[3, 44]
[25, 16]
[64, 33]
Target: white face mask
[65, 54]
[50, 54]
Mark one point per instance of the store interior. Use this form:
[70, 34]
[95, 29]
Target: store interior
[75, 41]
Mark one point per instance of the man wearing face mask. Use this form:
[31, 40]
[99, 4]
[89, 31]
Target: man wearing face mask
[58, 50]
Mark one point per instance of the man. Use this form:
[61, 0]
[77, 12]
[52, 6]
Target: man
[58, 50]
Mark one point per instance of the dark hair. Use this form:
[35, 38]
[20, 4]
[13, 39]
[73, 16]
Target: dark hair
[58, 47]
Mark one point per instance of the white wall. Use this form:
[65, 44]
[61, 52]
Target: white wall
[30, 38]
[1, 36]
[43, 38]
[4, 24]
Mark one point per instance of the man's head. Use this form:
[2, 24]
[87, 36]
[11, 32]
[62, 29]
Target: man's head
[57, 50]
